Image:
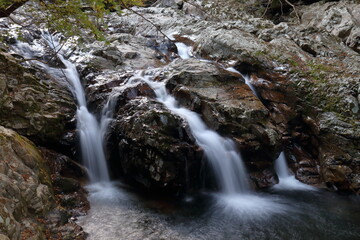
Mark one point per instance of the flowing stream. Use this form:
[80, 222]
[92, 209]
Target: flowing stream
[235, 213]
[118, 212]
[90, 130]
[246, 78]
[281, 167]
[287, 180]
[221, 152]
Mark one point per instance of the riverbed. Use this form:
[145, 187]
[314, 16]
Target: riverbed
[117, 212]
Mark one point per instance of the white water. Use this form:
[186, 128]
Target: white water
[287, 180]
[244, 202]
[184, 51]
[246, 78]
[90, 130]
[281, 167]
[221, 152]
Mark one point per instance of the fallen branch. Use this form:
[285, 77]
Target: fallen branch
[53, 47]
[5, 12]
[140, 15]
[267, 8]
[208, 16]
[281, 3]
[293, 6]
[18, 23]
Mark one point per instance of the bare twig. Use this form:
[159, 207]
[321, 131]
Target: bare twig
[5, 12]
[56, 52]
[18, 23]
[267, 8]
[199, 8]
[140, 15]
[14, 21]
[281, 4]
[293, 6]
[208, 15]
[54, 48]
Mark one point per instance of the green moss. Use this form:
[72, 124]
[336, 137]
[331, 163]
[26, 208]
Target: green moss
[315, 87]
[293, 63]
[261, 53]
[318, 71]
[34, 153]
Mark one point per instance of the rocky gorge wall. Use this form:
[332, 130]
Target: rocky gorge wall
[306, 76]
[39, 191]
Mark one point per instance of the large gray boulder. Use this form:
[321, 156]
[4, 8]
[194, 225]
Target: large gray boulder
[33, 103]
[25, 191]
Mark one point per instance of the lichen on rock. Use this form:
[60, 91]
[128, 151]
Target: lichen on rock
[37, 107]
[25, 185]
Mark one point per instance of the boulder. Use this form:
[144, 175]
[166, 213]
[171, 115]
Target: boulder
[228, 105]
[65, 185]
[176, 4]
[25, 191]
[339, 19]
[154, 147]
[339, 152]
[34, 104]
[305, 76]
[225, 102]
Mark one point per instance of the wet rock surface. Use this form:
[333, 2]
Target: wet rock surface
[301, 73]
[34, 104]
[155, 147]
[67, 177]
[25, 186]
[306, 99]
[29, 205]
[228, 106]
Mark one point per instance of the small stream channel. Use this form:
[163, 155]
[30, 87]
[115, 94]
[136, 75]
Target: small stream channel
[283, 212]
[290, 210]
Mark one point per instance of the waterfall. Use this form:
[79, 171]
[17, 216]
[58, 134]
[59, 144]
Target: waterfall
[229, 169]
[281, 166]
[288, 181]
[221, 152]
[184, 51]
[90, 130]
[246, 78]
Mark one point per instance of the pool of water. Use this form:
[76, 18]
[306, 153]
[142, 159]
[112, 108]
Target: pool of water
[280, 213]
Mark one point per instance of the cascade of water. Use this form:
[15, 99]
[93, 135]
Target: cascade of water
[91, 132]
[281, 166]
[246, 78]
[286, 180]
[221, 152]
[184, 51]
